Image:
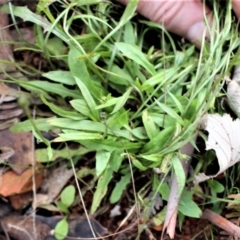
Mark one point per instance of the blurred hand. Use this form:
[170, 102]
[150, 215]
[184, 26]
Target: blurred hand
[183, 17]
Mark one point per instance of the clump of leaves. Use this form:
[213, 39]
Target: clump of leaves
[135, 105]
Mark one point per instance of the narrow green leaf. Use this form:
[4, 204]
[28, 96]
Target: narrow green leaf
[45, 86]
[157, 143]
[164, 191]
[177, 102]
[127, 15]
[179, 172]
[138, 164]
[191, 111]
[120, 187]
[86, 125]
[79, 71]
[87, 2]
[122, 100]
[65, 153]
[116, 160]
[81, 106]
[129, 35]
[55, 46]
[85, 171]
[159, 78]
[38, 135]
[111, 145]
[43, 4]
[153, 157]
[149, 125]
[26, 126]
[122, 119]
[170, 112]
[60, 76]
[120, 76]
[88, 98]
[28, 15]
[135, 54]
[101, 189]
[76, 136]
[110, 102]
[129, 11]
[162, 120]
[102, 159]
[62, 112]
[139, 133]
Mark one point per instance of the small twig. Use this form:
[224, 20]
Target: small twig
[221, 222]
[34, 183]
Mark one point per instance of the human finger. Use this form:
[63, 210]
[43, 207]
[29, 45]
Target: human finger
[185, 18]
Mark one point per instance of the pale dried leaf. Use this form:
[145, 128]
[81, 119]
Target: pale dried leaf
[236, 74]
[224, 139]
[233, 93]
[115, 211]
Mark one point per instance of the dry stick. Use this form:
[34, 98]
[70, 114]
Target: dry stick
[174, 196]
[221, 222]
[34, 189]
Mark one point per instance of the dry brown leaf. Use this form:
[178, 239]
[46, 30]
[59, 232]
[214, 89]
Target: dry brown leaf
[21, 200]
[22, 144]
[12, 184]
